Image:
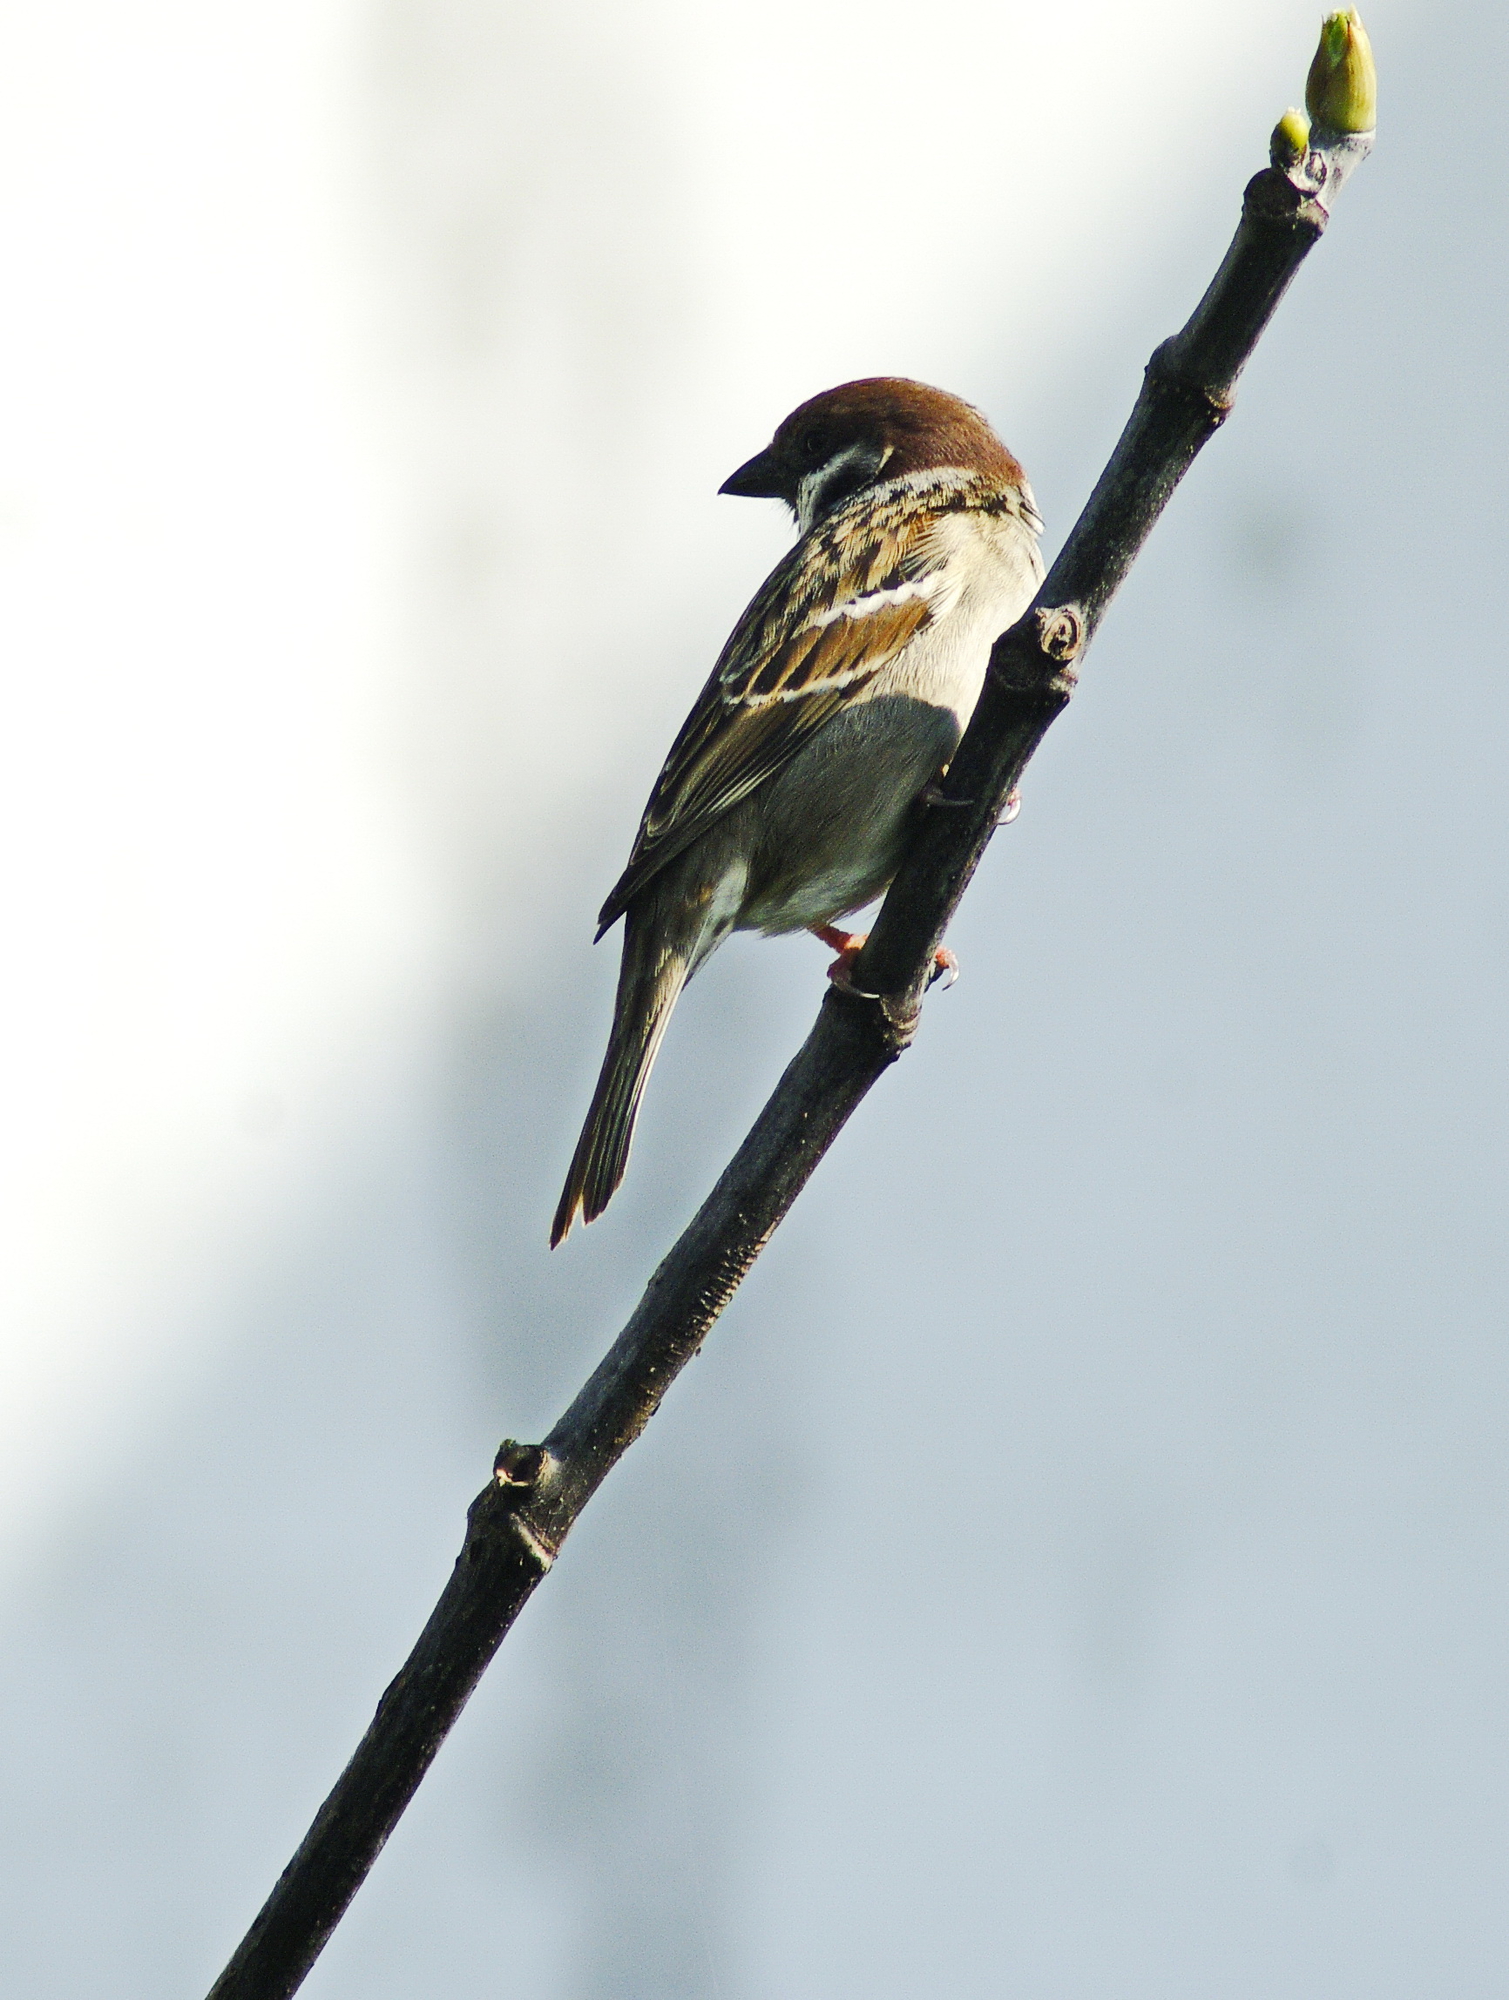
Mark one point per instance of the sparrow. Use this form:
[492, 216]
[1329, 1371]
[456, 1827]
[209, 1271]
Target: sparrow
[837, 702]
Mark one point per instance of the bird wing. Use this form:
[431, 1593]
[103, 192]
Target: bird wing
[830, 615]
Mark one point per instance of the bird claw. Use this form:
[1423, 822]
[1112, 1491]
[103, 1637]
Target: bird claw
[839, 976]
[945, 967]
[932, 795]
[849, 944]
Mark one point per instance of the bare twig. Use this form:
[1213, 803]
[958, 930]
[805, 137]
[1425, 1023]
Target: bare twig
[516, 1526]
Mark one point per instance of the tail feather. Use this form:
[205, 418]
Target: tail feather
[649, 985]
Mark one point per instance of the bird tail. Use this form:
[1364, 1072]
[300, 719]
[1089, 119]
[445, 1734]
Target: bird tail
[649, 985]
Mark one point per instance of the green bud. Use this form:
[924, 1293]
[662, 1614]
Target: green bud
[1342, 90]
[1291, 139]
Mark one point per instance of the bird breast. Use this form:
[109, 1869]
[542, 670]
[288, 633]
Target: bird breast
[988, 569]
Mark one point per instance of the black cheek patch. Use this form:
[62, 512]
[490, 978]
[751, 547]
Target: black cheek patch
[852, 470]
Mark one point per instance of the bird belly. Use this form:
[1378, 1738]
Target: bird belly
[831, 827]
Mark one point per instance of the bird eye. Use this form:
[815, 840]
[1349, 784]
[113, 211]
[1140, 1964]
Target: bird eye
[814, 445]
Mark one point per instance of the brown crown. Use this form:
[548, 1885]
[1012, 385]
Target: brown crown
[908, 425]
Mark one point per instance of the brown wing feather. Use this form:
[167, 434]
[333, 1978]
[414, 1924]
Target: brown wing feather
[799, 689]
[737, 737]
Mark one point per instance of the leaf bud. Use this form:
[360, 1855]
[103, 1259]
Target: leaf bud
[1342, 90]
[1290, 141]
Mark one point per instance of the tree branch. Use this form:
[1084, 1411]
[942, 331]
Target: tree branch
[515, 1527]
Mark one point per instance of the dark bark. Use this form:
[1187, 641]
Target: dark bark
[517, 1524]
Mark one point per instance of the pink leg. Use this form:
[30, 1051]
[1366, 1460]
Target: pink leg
[849, 944]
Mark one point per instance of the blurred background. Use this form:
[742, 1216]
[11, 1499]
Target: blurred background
[1076, 1565]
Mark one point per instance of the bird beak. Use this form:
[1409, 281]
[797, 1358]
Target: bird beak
[758, 479]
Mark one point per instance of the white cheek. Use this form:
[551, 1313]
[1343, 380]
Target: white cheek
[807, 496]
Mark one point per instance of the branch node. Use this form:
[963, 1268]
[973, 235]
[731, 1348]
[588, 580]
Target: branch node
[902, 1016]
[1166, 368]
[900, 1013]
[1274, 196]
[1051, 635]
[1061, 636]
[518, 1464]
[521, 1475]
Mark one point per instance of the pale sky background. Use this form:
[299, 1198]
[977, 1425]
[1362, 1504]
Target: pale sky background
[1076, 1566]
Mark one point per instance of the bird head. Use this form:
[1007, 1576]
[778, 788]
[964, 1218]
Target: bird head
[835, 445]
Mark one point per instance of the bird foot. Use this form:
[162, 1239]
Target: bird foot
[849, 944]
[945, 967]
